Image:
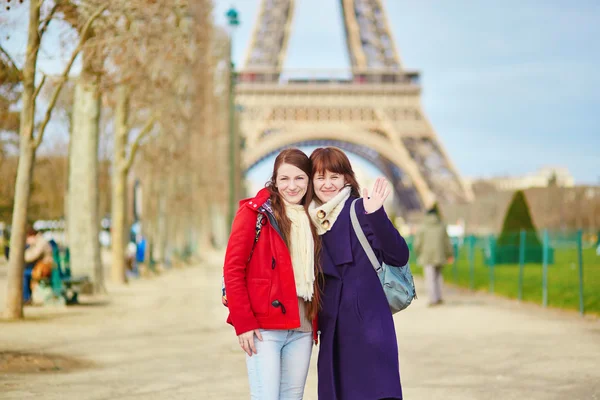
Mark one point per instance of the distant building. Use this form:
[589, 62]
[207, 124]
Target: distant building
[544, 177]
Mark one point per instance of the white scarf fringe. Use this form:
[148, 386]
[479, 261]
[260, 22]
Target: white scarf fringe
[302, 250]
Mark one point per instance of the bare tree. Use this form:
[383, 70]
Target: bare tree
[29, 143]
[145, 63]
[10, 80]
[83, 217]
[155, 73]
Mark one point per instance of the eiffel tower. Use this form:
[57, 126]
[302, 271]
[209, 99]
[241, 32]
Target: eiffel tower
[373, 110]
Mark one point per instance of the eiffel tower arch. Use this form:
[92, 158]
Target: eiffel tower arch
[373, 110]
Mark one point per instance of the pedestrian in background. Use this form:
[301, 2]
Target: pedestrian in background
[434, 250]
[38, 262]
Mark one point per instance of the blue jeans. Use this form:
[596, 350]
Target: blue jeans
[27, 282]
[278, 371]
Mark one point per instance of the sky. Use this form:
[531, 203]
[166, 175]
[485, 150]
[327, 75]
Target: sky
[509, 86]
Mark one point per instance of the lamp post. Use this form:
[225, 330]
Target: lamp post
[233, 22]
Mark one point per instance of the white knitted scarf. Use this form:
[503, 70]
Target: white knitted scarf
[325, 215]
[302, 250]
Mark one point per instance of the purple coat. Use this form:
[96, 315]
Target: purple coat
[358, 354]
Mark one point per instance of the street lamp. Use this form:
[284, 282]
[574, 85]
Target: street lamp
[232, 17]
[233, 22]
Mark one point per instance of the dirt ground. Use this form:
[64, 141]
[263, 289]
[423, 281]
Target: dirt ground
[165, 338]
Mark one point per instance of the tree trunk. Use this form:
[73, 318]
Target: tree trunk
[14, 292]
[119, 191]
[119, 226]
[147, 215]
[161, 237]
[219, 224]
[14, 308]
[83, 221]
[204, 236]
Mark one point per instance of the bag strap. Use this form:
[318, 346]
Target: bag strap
[259, 224]
[363, 239]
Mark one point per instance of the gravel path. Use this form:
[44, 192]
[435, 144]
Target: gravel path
[165, 338]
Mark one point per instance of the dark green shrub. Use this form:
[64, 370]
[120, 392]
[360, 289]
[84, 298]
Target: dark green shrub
[507, 245]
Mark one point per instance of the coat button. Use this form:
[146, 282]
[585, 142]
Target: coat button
[277, 303]
[321, 214]
[325, 224]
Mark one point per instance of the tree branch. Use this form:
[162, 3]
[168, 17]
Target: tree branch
[46, 22]
[65, 74]
[37, 90]
[136, 143]
[10, 60]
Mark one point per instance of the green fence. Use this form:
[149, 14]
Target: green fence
[554, 269]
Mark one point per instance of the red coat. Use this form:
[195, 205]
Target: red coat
[261, 292]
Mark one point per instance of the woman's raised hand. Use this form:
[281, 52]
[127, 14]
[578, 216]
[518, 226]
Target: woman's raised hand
[378, 195]
[247, 341]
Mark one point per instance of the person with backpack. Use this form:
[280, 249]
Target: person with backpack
[271, 275]
[358, 353]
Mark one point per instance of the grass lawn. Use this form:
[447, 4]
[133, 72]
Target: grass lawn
[563, 278]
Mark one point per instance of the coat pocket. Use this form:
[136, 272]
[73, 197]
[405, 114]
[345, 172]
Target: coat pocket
[259, 291]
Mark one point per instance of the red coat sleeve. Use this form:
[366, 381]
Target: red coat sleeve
[234, 271]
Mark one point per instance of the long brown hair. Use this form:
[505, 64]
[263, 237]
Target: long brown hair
[298, 159]
[334, 160]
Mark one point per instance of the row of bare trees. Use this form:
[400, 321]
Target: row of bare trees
[150, 80]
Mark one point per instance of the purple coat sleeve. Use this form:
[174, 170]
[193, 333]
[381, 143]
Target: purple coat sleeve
[385, 239]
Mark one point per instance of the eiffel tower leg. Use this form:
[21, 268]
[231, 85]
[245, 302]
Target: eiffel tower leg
[270, 37]
[437, 169]
[369, 38]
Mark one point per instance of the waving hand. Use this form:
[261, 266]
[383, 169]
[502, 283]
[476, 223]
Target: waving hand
[378, 195]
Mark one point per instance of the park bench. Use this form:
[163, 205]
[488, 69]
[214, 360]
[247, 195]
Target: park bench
[61, 281]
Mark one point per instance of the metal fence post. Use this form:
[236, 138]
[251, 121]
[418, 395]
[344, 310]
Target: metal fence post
[522, 244]
[580, 262]
[545, 269]
[454, 263]
[471, 262]
[492, 242]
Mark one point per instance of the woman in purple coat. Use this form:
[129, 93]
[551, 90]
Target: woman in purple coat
[358, 354]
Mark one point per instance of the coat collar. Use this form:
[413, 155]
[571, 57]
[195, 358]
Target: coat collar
[325, 215]
[261, 203]
[338, 241]
[255, 202]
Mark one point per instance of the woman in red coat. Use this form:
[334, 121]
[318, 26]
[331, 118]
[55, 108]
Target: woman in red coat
[271, 273]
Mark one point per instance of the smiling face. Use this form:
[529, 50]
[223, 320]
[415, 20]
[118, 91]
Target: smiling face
[328, 184]
[331, 172]
[291, 183]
